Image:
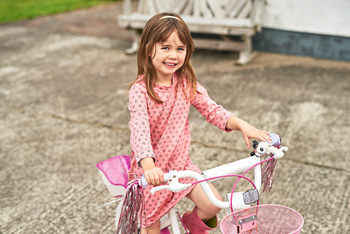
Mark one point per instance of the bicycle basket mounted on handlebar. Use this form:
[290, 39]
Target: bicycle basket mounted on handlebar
[262, 219]
[114, 172]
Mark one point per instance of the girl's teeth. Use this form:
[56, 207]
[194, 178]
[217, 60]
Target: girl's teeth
[170, 64]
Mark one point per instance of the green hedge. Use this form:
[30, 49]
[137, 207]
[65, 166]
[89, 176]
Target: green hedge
[13, 10]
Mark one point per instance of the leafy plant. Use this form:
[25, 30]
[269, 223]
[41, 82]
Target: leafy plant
[13, 10]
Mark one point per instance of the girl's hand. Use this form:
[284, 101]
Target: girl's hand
[248, 131]
[153, 175]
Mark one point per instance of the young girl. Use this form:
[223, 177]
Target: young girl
[159, 104]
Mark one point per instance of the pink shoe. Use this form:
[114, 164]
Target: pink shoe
[165, 231]
[195, 225]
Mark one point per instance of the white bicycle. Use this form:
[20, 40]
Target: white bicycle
[244, 214]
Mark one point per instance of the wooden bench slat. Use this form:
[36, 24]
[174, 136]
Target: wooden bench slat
[220, 22]
[159, 6]
[216, 7]
[222, 30]
[244, 23]
[179, 6]
[229, 7]
[246, 10]
[153, 7]
[141, 6]
[237, 8]
[196, 8]
[188, 8]
[219, 45]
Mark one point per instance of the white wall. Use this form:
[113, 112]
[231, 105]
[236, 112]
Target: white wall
[330, 17]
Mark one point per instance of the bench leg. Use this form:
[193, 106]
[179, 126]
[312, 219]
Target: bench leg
[247, 54]
[135, 43]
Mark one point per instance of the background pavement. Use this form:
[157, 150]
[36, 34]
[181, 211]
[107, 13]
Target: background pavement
[63, 108]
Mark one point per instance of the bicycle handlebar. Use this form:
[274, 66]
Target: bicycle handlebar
[172, 177]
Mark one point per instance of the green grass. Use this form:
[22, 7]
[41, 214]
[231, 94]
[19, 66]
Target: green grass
[13, 10]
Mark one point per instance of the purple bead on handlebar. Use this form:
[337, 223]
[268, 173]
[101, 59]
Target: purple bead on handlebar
[275, 139]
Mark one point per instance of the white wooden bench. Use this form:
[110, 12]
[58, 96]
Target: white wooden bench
[226, 19]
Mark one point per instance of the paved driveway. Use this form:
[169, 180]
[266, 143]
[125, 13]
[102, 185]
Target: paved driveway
[63, 108]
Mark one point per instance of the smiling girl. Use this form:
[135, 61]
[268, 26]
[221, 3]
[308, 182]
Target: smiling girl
[159, 104]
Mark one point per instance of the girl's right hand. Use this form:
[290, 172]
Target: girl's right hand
[153, 175]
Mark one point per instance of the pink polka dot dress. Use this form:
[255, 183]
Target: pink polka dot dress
[162, 131]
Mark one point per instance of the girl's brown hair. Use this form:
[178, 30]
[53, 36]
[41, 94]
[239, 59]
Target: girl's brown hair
[157, 30]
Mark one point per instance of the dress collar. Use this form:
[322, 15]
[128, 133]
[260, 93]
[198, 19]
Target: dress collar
[163, 88]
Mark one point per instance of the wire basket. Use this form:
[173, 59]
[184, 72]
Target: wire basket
[263, 219]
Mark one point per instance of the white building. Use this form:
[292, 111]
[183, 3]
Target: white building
[318, 28]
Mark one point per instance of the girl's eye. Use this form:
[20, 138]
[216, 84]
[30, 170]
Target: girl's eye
[165, 48]
[181, 49]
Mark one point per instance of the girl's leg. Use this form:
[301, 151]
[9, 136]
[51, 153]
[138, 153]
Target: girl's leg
[205, 209]
[203, 217]
[153, 229]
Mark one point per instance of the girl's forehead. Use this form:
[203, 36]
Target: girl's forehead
[173, 38]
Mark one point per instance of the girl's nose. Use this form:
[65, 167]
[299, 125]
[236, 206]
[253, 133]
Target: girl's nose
[173, 54]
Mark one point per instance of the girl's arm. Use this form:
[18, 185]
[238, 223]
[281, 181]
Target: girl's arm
[210, 110]
[223, 119]
[140, 136]
[248, 131]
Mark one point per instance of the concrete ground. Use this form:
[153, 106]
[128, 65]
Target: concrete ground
[63, 108]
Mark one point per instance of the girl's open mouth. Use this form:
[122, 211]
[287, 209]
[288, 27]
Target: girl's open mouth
[170, 64]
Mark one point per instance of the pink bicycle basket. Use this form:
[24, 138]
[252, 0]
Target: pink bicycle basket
[263, 219]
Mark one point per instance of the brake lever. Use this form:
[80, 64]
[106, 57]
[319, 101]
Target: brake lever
[266, 148]
[174, 185]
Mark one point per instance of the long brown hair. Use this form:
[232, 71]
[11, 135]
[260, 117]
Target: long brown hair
[157, 30]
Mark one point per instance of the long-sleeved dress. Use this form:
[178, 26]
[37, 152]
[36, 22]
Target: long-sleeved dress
[162, 131]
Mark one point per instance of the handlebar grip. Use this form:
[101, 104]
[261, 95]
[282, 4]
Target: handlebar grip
[143, 181]
[275, 139]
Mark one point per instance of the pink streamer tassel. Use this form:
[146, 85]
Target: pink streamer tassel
[268, 175]
[132, 210]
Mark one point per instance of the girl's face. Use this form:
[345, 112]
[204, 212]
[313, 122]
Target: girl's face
[167, 58]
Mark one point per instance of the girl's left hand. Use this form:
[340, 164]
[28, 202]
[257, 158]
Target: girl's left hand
[249, 131]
